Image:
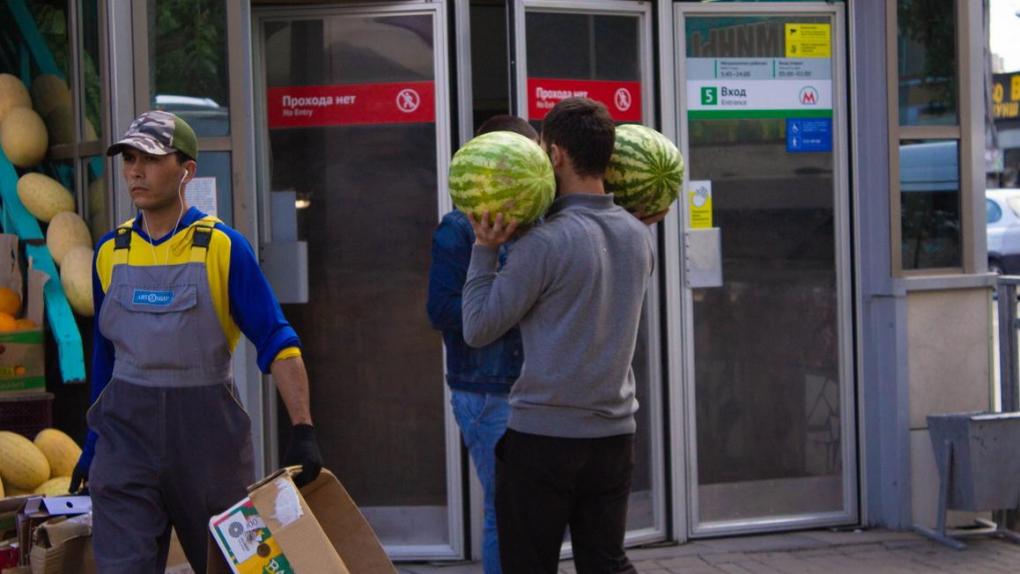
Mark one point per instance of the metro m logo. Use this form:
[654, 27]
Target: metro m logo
[808, 96]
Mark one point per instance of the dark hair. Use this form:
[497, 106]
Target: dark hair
[584, 129]
[505, 123]
[182, 157]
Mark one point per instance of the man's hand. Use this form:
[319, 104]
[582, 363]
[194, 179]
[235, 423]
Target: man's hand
[80, 474]
[653, 218]
[492, 234]
[303, 450]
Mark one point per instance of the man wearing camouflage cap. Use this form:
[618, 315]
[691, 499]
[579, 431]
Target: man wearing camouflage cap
[173, 290]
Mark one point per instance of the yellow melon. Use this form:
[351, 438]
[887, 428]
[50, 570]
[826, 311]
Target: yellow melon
[57, 486]
[44, 196]
[12, 95]
[66, 231]
[23, 137]
[14, 491]
[76, 278]
[49, 92]
[60, 450]
[22, 464]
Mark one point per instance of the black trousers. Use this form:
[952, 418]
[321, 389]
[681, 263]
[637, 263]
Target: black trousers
[544, 484]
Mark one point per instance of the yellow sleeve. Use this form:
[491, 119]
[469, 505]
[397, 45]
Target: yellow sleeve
[288, 353]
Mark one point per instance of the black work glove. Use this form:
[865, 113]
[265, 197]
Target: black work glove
[80, 475]
[303, 450]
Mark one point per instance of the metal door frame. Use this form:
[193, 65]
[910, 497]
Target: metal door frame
[656, 403]
[680, 313]
[438, 10]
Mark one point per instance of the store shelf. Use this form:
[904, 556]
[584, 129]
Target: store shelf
[17, 220]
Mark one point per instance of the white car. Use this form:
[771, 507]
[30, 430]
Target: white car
[1002, 210]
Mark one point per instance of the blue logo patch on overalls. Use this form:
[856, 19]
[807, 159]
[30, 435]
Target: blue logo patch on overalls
[153, 298]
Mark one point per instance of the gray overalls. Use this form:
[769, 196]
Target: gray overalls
[174, 443]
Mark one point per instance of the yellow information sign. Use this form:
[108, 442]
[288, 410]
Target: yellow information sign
[808, 40]
[699, 204]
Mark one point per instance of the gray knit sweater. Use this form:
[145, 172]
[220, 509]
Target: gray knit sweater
[576, 285]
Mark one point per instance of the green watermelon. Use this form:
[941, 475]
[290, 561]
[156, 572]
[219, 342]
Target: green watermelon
[502, 172]
[646, 170]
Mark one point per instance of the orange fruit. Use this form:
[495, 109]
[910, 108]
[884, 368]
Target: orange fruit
[10, 302]
[7, 323]
[25, 324]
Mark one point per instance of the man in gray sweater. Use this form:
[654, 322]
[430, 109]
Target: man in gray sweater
[575, 285]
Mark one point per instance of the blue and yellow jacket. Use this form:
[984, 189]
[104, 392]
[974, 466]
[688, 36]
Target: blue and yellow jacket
[242, 297]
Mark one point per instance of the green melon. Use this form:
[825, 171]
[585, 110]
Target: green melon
[502, 172]
[646, 170]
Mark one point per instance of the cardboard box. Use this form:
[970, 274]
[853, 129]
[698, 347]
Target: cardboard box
[22, 354]
[279, 529]
[62, 545]
[55, 536]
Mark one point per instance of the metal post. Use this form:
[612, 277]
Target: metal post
[1009, 370]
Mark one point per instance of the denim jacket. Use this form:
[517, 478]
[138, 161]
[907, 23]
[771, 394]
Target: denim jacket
[489, 369]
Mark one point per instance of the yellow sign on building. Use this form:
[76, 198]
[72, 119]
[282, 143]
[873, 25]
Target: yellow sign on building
[808, 40]
[1006, 96]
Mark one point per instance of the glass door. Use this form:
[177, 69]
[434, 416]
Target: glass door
[768, 370]
[602, 49]
[355, 141]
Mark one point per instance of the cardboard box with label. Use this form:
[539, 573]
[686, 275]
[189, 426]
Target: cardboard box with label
[278, 528]
[22, 359]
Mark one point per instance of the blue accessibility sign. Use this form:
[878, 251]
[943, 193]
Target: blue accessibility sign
[808, 134]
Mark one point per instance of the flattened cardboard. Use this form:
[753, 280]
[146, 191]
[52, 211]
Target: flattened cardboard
[323, 533]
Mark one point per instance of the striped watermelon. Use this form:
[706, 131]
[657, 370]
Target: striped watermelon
[502, 172]
[646, 171]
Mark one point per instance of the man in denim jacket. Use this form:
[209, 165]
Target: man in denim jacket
[479, 379]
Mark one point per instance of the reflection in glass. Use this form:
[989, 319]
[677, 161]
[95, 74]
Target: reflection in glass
[926, 46]
[367, 205]
[89, 69]
[589, 47]
[96, 213]
[51, 97]
[930, 204]
[188, 51]
[210, 191]
[767, 381]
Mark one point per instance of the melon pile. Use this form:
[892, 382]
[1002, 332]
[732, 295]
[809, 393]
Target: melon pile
[646, 170]
[30, 122]
[502, 173]
[42, 466]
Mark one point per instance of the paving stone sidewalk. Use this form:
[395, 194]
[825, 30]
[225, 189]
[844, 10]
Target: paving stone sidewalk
[871, 552]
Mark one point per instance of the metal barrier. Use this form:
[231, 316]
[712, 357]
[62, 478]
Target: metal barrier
[976, 452]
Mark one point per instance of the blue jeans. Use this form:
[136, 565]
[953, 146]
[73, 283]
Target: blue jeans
[482, 419]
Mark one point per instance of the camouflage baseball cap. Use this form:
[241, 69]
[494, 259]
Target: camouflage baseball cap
[158, 133]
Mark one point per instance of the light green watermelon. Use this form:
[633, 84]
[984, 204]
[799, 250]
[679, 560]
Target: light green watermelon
[646, 170]
[502, 172]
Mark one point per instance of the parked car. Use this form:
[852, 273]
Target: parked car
[1002, 210]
